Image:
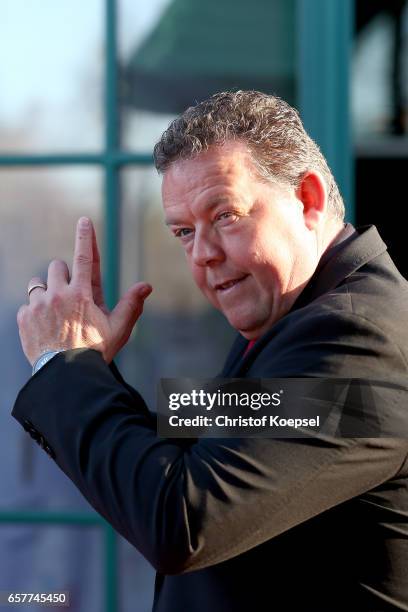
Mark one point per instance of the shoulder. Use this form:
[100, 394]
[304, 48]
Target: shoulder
[359, 329]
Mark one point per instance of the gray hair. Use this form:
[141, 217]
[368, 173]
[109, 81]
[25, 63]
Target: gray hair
[280, 148]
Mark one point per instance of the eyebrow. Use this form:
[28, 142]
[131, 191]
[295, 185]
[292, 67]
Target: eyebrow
[172, 222]
[212, 204]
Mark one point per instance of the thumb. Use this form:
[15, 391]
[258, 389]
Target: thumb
[129, 308]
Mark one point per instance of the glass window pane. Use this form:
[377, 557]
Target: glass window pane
[51, 72]
[179, 334]
[39, 208]
[174, 52]
[380, 117]
[380, 69]
[136, 579]
[49, 558]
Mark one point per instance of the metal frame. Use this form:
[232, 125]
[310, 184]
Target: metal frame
[324, 35]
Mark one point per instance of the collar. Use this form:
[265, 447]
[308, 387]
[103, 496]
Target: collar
[353, 248]
[347, 234]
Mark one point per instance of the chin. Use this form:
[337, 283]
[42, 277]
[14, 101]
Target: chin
[249, 327]
[249, 335]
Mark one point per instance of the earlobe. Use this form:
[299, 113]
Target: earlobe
[312, 192]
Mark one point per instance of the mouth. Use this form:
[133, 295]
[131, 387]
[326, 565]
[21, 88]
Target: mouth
[229, 284]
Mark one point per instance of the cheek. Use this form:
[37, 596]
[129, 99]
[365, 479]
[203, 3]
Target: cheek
[199, 276]
[268, 265]
[257, 256]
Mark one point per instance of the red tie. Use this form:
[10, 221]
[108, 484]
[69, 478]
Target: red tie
[249, 346]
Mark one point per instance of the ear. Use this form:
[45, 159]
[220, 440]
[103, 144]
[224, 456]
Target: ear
[312, 192]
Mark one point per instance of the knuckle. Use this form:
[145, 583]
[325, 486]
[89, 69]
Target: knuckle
[83, 231]
[80, 296]
[77, 294]
[82, 259]
[55, 300]
[37, 309]
[138, 307]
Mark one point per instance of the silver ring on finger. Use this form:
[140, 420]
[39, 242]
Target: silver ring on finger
[36, 286]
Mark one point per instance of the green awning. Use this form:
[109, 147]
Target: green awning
[202, 46]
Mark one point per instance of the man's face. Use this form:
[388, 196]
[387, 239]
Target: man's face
[246, 241]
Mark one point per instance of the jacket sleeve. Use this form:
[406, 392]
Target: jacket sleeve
[188, 504]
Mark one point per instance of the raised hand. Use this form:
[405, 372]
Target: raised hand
[69, 313]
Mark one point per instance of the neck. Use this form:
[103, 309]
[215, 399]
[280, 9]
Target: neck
[330, 236]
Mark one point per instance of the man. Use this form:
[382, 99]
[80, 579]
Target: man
[231, 525]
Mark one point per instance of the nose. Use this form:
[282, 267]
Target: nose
[206, 249]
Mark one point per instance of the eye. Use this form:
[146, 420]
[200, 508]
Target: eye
[182, 232]
[227, 215]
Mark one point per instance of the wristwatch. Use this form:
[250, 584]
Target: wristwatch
[43, 359]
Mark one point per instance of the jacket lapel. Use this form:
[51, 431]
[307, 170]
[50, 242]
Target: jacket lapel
[234, 357]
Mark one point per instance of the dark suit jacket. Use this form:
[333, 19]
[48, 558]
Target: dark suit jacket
[252, 524]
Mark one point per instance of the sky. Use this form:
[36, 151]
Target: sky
[51, 65]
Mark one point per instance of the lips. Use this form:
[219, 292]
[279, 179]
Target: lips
[227, 284]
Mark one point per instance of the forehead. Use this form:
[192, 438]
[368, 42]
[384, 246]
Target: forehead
[220, 168]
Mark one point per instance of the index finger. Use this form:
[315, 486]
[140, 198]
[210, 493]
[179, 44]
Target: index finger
[82, 264]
